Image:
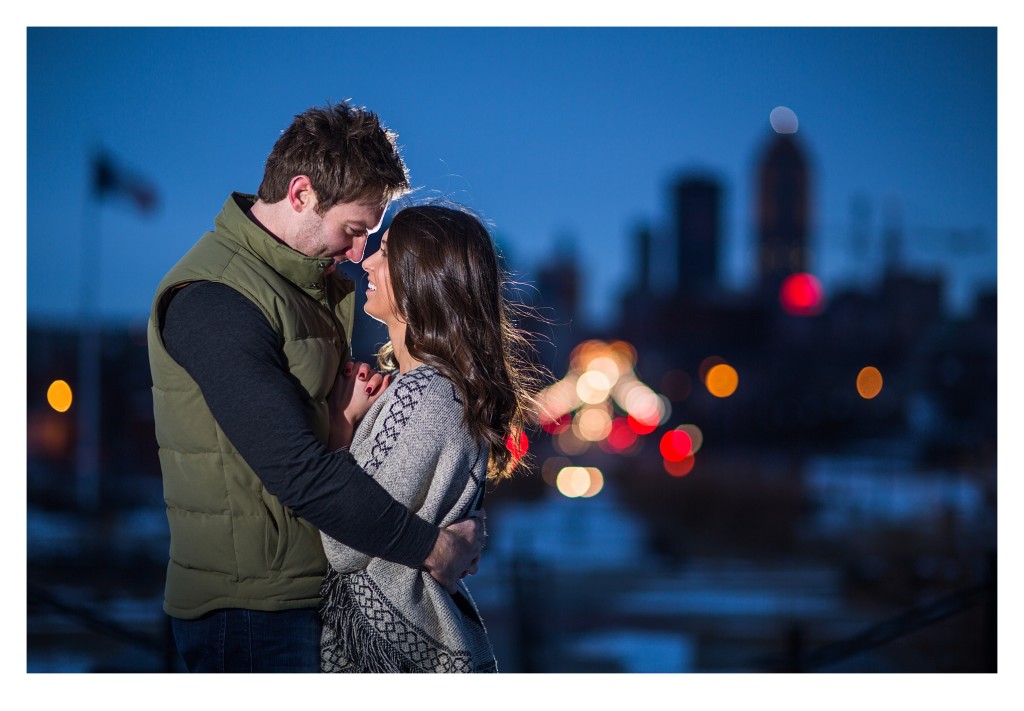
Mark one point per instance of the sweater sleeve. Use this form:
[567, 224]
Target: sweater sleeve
[229, 348]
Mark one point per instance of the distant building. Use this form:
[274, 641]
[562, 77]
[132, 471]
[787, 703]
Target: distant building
[558, 297]
[783, 211]
[643, 238]
[696, 202]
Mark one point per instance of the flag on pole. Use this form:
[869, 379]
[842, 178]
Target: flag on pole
[112, 180]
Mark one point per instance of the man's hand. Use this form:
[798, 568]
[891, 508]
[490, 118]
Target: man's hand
[357, 387]
[456, 552]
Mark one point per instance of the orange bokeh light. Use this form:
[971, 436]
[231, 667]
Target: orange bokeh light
[58, 395]
[722, 380]
[869, 382]
[706, 365]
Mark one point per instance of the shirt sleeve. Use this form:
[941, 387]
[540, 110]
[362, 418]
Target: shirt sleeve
[228, 347]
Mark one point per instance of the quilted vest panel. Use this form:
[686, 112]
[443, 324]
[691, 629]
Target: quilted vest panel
[233, 544]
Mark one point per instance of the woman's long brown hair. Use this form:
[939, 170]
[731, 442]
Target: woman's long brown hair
[450, 289]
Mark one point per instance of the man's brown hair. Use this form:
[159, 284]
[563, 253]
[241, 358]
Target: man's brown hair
[346, 153]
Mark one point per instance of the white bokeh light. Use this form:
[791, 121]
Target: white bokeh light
[783, 120]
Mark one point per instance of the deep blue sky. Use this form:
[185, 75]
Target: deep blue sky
[551, 133]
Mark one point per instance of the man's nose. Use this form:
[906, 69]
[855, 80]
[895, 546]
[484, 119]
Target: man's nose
[358, 248]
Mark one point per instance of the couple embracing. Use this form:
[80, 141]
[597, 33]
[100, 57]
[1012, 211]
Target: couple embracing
[323, 514]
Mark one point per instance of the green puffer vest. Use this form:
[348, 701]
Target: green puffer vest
[233, 544]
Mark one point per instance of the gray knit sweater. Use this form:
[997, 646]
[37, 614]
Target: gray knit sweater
[381, 616]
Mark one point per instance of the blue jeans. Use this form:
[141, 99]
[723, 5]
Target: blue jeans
[235, 640]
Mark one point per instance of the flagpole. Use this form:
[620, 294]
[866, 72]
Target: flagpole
[105, 178]
[87, 482]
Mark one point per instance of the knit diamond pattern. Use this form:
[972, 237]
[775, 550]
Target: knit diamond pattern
[401, 409]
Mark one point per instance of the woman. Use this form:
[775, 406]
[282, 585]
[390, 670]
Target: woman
[432, 439]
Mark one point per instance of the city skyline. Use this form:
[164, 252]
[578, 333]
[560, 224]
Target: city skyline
[571, 135]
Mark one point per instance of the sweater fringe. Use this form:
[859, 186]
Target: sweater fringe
[355, 639]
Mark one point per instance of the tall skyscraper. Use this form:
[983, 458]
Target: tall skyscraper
[783, 208]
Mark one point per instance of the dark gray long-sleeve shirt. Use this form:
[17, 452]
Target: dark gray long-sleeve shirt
[228, 347]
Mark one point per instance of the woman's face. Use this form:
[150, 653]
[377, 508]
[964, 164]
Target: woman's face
[380, 299]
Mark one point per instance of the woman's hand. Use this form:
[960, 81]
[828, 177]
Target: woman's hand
[356, 389]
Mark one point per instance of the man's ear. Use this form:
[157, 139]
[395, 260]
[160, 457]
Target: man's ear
[301, 195]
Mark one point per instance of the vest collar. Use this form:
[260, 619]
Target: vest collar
[307, 273]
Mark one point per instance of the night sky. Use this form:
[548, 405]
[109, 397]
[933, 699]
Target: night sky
[561, 137]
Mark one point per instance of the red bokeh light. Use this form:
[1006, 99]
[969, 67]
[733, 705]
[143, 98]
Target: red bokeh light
[641, 427]
[518, 450]
[622, 435]
[680, 468]
[676, 446]
[557, 426]
[802, 295]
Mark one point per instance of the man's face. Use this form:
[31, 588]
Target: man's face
[340, 233]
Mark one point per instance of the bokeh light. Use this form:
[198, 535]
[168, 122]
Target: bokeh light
[641, 427]
[622, 436]
[624, 354]
[59, 395]
[869, 382]
[783, 120]
[518, 449]
[722, 380]
[695, 434]
[801, 294]
[642, 403]
[602, 401]
[706, 365]
[675, 446]
[607, 366]
[557, 400]
[592, 424]
[569, 444]
[550, 468]
[572, 481]
[596, 482]
[557, 426]
[577, 482]
[593, 386]
[585, 352]
[680, 468]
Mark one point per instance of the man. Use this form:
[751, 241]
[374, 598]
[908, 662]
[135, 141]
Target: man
[246, 337]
